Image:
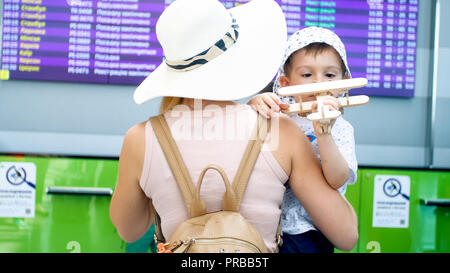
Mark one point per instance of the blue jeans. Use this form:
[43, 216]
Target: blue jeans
[312, 241]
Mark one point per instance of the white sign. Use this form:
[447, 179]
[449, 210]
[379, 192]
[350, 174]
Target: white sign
[17, 189]
[391, 201]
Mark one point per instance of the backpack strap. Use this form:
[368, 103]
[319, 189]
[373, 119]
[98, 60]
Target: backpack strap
[232, 197]
[182, 176]
[173, 156]
[248, 163]
[177, 166]
[229, 200]
[158, 236]
[249, 158]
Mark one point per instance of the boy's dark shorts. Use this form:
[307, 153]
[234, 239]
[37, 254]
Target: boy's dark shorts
[312, 241]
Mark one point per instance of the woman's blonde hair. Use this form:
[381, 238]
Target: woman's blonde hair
[168, 103]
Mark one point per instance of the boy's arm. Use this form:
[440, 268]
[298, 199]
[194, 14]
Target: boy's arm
[334, 166]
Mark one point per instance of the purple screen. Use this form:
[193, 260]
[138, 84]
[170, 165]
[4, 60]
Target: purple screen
[114, 42]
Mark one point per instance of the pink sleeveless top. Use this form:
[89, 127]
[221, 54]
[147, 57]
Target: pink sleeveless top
[213, 136]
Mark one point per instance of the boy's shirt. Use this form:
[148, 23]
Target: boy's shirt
[294, 218]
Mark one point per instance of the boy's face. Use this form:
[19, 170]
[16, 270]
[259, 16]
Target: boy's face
[307, 68]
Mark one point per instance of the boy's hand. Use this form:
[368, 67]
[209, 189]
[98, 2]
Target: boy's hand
[266, 104]
[333, 104]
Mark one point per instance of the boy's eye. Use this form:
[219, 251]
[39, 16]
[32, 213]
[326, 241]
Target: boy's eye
[306, 75]
[330, 75]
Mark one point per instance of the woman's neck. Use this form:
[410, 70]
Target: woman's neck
[199, 103]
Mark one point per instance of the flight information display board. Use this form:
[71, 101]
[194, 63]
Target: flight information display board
[114, 41]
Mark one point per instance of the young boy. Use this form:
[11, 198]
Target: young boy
[313, 55]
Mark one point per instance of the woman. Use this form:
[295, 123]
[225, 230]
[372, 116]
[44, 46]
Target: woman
[240, 52]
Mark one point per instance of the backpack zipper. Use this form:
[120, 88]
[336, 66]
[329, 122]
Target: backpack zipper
[221, 239]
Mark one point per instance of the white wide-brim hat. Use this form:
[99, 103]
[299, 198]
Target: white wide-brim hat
[243, 48]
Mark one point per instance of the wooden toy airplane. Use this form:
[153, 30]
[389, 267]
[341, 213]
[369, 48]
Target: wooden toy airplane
[322, 91]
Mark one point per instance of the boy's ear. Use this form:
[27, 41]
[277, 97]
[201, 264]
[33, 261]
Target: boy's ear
[284, 81]
[346, 76]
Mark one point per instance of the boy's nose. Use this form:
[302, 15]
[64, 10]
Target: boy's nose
[320, 79]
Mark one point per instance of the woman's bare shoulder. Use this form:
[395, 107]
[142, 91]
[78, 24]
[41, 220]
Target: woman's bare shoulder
[136, 132]
[286, 140]
[134, 141]
[289, 131]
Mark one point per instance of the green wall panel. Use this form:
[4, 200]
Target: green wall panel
[429, 226]
[65, 223]
[81, 223]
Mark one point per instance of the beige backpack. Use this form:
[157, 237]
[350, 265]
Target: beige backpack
[223, 231]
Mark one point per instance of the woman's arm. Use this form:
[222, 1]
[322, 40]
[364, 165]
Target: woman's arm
[130, 209]
[330, 211]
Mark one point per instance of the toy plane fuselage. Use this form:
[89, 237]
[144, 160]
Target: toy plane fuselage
[322, 91]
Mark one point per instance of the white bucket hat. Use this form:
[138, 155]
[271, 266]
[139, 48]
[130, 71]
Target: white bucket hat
[214, 53]
[303, 38]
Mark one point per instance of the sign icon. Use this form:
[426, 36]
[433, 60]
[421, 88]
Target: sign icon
[391, 201]
[392, 187]
[18, 188]
[17, 176]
